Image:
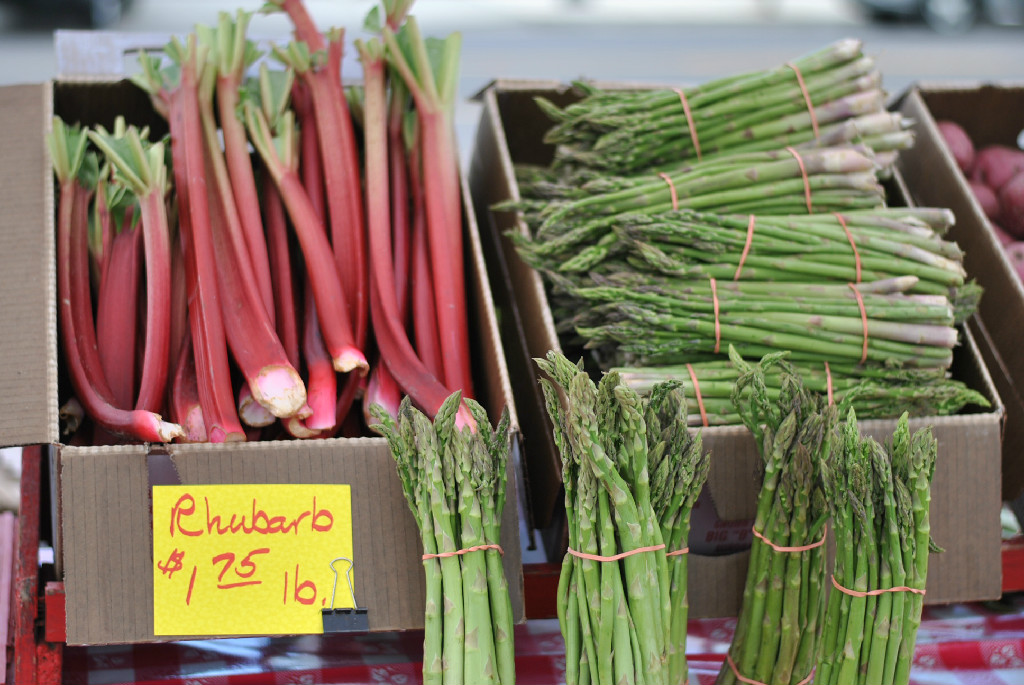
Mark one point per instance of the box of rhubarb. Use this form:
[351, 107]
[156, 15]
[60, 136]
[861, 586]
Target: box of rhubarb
[967, 154]
[246, 440]
[683, 237]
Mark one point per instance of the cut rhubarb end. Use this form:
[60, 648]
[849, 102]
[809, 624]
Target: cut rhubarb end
[251, 412]
[218, 434]
[195, 427]
[297, 429]
[280, 390]
[350, 359]
[166, 431]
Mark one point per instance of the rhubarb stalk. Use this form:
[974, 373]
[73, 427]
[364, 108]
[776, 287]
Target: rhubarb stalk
[116, 307]
[67, 147]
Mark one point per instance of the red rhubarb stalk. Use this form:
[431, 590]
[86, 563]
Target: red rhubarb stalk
[236, 54]
[327, 289]
[180, 100]
[424, 389]
[281, 270]
[74, 304]
[424, 307]
[185, 406]
[272, 379]
[341, 177]
[179, 300]
[433, 98]
[116, 322]
[140, 167]
[323, 381]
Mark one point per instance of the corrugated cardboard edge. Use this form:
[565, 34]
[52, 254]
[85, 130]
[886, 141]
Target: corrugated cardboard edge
[929, 169]
[971, 569]
[28, 318]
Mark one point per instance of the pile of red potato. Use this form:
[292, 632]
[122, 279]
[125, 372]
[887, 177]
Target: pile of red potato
[995, 174]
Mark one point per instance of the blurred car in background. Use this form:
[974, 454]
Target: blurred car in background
[94, 14]
[948, 16]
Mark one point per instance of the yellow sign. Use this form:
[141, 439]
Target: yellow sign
[249, 559]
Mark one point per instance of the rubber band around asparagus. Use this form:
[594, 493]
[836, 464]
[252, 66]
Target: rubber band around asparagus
[615, 557]
[807, 97]
[718, 323]
[460, 552]
[799, 548]
[849, 236]
[751, 681]
[875, 593]
[678, 552]
[671, 189]
[863, 319]
[746, 247]
[696, 391]
[803, 172]
[689, 122]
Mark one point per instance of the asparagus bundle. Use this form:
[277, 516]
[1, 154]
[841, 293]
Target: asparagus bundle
[879, 500]
[631, 473]
[454, 482]
[780, 621]
[828, 97]
[874, 391]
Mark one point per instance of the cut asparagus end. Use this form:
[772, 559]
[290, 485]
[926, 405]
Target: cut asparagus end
[350, 359]
[280, 390]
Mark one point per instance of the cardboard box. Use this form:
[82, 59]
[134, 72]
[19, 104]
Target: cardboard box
[966, 490]
[104, 531]
[990, 114]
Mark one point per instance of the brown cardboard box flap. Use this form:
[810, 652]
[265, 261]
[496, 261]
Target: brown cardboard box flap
[28, 330]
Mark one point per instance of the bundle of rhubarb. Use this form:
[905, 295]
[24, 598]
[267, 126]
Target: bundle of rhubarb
[832, 96]
[780, 621]
[659, 254]
[286, 290]
[879, 497]
[454, 482]
[632, 473]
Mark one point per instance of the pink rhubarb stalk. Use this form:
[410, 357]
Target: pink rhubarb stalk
[424, 389]
[75, 306]
[116, 323]
[327, 288]
[185, 406]
[322, 380]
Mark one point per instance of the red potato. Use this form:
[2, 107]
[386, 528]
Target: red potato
[987, 198]
[1011, 205]
[1005, 239]
[959, 143]
[994, 165]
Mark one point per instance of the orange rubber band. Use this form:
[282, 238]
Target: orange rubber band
[678, 552]
[828, 381]
[807, 97]
[689, 121]
[615, 557]
[863, 319]
[874, 593]
[672, 189]
[718, 325]
[803, 172]
[849, 236]
[801, 548]
[696, 391]
[460, 552]
[749, 681]
[746, 247]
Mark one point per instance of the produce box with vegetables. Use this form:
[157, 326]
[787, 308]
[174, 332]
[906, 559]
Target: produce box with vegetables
[648, 229]
[969, 155]
[250, 263]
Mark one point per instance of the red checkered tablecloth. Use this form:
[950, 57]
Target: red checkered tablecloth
[957, 645]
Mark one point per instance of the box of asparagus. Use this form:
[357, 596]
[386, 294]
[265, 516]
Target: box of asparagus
[217, 405]
[679, 234]
[967, 154]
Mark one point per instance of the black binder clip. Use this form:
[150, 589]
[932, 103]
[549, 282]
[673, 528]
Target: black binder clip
[345, 620]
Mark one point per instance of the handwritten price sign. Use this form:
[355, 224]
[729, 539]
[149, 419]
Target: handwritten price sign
[248, 559]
